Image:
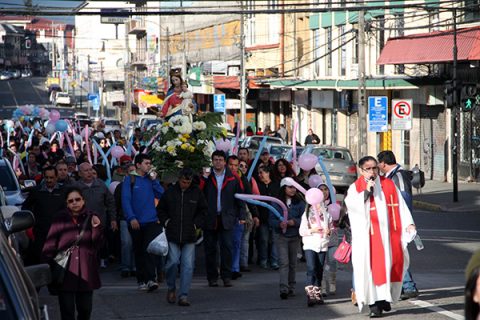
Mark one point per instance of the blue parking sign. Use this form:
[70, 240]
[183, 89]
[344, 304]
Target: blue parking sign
[219, 103]
[377, 114]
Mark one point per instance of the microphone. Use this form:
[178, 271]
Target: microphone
[371, 188]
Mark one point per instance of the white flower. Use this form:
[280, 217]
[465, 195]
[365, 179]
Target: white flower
[165, 130]
[199, 125]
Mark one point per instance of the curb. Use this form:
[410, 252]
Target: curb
[427, 205]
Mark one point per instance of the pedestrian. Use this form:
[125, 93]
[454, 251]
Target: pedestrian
[82, 276]
[315, 229]
[98, 199]
[266, 250]
[287, 237]
[282, 132]
[182, 210]
[45, 202]
[283, 169]
[311, 138]
[387, 163]
[139, 191]
[63, 177]
[377, 213]
[472, 288]
[224, 211]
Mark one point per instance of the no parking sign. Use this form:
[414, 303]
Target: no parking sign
[402, 114]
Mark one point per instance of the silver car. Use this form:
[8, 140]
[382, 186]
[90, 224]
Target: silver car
[10, 185]
[339, 163]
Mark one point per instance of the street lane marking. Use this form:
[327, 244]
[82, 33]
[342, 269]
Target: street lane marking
[449, 230]
[426, 305]
[13, 93]
[35, 89]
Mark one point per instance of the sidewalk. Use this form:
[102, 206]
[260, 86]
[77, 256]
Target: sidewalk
[438, 196]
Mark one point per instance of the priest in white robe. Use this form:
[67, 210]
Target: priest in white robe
[381, 225]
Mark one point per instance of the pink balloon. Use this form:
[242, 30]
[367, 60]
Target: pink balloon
[223, 145]
[334, 211]
[117, 152]
[113, 186]
[82, 133]
[314, 196]
[314, 181]
[307, 161]
[54, 115]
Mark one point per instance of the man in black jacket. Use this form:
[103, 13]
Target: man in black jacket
[45, 202]
[224, 212]
[182, 211]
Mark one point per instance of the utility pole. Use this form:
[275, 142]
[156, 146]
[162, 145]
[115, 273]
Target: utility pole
[128, 103]
[101, 92]
[168, 59]
[89, 84]
[362, 92]
[243, 98]
[453, 119]
[184, 54]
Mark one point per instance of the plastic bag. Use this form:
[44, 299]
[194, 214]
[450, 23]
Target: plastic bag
[159, 245]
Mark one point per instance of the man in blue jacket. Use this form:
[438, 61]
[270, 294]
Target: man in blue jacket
[138, 202]
[224, 212]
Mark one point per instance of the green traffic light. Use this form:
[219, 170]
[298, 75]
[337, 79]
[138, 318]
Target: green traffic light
[468, 104]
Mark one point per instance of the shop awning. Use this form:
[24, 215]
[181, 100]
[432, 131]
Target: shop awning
[434, 47]
[371, 84]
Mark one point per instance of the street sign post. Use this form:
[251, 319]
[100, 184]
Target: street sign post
[402, 114]
[219, 103]
[377, 114]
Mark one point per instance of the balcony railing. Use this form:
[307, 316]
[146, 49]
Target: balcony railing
[137, 26]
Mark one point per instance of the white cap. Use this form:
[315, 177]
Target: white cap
[287, 182]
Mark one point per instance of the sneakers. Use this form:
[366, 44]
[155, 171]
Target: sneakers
[142, 286]
[317, 292]
[212, 283]
[171, 297]
[183, 302]
[311, 301]
[103, 263]
[409, 294]
[152, 286]
[275, 266]
[236, 275]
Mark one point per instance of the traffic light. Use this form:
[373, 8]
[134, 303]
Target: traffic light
[468, 104]
[448, 94]
[469, 97]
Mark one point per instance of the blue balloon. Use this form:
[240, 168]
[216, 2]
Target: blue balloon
[61, 125]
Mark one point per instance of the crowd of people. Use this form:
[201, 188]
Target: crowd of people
[117, 218]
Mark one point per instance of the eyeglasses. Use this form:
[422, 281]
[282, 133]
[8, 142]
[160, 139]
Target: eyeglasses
[74, 200]
[370, 169]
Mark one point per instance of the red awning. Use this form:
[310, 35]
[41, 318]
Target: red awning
[226, 82]
[433, 47]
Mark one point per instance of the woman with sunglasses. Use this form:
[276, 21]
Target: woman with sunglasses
[82, 275]
[287, 237]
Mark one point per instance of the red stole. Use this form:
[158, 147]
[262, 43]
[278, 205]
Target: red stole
[377, 252]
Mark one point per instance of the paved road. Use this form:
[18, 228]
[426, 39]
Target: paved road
[449, 240]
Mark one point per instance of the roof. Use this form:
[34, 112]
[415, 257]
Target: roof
[433, 47]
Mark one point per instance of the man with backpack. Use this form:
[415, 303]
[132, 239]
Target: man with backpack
[387, 163]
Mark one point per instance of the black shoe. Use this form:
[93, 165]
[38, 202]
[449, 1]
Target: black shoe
[409, 294]
[283, 295]
[124, 273]
[227, 283]
[291, 293]
[236, 275]
[385, 305]
[212, 283]
[375, 311]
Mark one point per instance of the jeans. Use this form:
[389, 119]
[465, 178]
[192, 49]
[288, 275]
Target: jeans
[237, 243]
[127, 256]
[408, 283]
[210, 240]
[264, 242]
[183, 255]
[287, 249]
[331, 262]
[244, 248]
[71, 301]
[315, 263]
[145, 262]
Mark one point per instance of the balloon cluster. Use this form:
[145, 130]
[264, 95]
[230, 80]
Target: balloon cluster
[55, 124]
[29, 112]
[223, 145]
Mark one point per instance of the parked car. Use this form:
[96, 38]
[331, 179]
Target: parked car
[112, 124]
[26, 73]
[10, 185]
[18, 284]
[6, 75]
[63, 99]
[15, 73]
[253, 142]
[341, 167]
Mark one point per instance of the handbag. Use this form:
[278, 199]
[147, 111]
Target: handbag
[60, 261]
[159, 245]
[343, 252]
